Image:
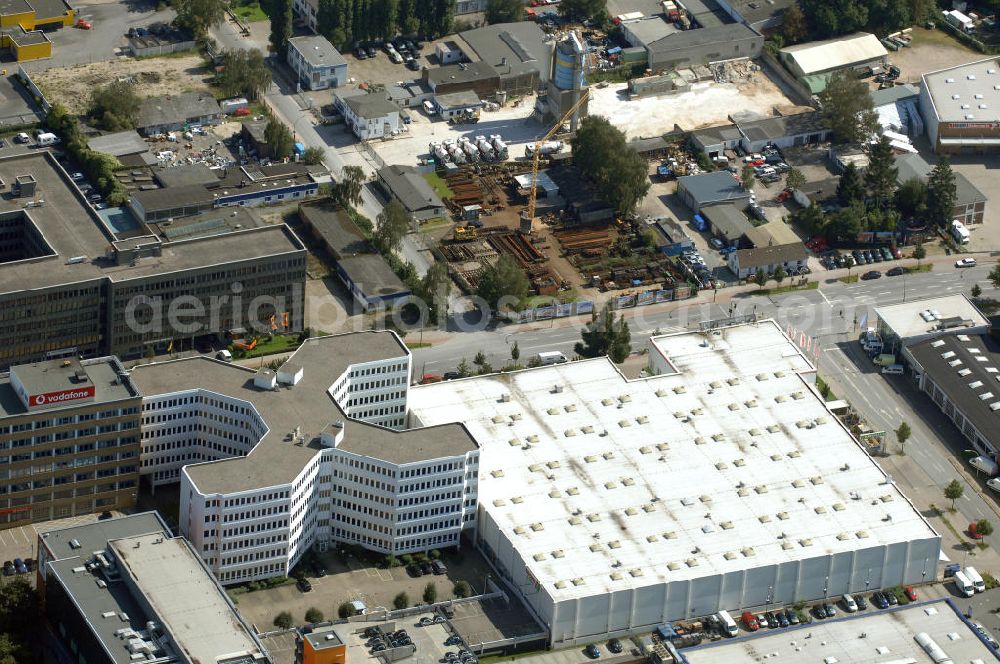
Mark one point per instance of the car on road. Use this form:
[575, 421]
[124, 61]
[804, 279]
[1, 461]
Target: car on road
[592, 651]
[965, 262]
[895, 272]
[871, 274]
[303, 584]
[910, 593]
[615, 646]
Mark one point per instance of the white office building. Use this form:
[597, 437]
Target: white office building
[273, 462]
[721, 482]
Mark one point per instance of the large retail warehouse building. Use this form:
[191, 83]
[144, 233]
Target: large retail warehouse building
[723, 482]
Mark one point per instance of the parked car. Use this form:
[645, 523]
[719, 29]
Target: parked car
[819, 612]
[830, 611]
[762, 620]
[974, 531]
[439, 567]
[303, 584]
[717, 243]
[886, 254]
[879, 600]
[8, 568]
[895, 272]
[360, 53]
[891, 598]
[782, 619]
[615, 646]
[871, 274]
[425, 567]
[910, 593]
[750, 622]
[414, 570]
[965, 262]
[592, 651]
[793, 616]
[860, 601]
[412, 64]
[19, 566]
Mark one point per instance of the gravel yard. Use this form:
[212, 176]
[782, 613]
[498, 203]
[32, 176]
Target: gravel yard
[931, 50]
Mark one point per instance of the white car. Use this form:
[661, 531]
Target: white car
[994, 483]
[966, 262]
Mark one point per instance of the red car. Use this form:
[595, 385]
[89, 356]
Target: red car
[910, 593]
[84, 25]
[758, 162]
[974, 532]
[750, 622]
[784, 196]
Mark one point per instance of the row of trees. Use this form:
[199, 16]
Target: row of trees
[822, 19]
[345, 21]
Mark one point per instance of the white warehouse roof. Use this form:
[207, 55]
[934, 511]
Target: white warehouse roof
[918, 318]
[966, 92]
[728, 463]
[815, 57]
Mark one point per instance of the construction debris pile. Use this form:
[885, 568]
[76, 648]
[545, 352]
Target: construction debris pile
[735, 71]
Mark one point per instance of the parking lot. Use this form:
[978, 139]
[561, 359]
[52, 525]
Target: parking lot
[376, 587]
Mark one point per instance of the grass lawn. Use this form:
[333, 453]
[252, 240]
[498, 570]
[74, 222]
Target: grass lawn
[277, 344]
[849, 279]
[438, 184]
[923, 267]
[938, 37]
[250, 13]
[811, 285]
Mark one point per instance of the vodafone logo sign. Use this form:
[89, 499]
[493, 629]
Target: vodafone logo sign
[62, 396]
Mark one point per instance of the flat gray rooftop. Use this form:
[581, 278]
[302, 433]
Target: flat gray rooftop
[72, 229]
[308, 405]
[966, 93]
[890, 638]
[185, 597]
[95, 536]
[51, 376]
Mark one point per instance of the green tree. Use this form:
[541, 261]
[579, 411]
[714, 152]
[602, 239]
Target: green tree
[746, 176]
[436, 286]
[503, 283]
[581, 8]
[847, 108]
[779, 274]
[903, 434]
[845, 223]
[346, 191]
[911, 199]
[13, 651]
[279, 138]
[761, 277]
[401, 601]
[850, 188]
[313, 156]
[794, 26]
[504, 11]
[463, 369]
[920, 253]
[430, 593]
[795, 179]
[515, 352]
[976, 291]
[953, 491]
[244, 72]
[284, 620]
[199, 15]
[984, 527]
[314, 615]
[601, 154]
[462, 589]
[480, 358]
[880, 177]
[605, 335]
[345, 610]
[810, 219]
[280, 13]
[941, 194]
[115, 106]
[392, 224]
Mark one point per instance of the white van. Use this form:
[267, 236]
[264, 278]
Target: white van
[977, 581]
[849, 604]
[893, 370]
[984, 464]
[963, 585]
[959, 232]
[727, 622]
[224, 355]
[47, 139]
[551, 357]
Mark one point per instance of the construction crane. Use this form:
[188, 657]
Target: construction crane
[528, 215]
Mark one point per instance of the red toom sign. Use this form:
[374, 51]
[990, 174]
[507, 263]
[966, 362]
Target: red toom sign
[62, 396]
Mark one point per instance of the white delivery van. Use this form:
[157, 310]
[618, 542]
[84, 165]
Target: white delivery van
[963, 585]
[977, 581]
[893, 370]
[224, 355]
[47, 139]
[551, 357]
[984, 464]
[959, 232]
[727, 622]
